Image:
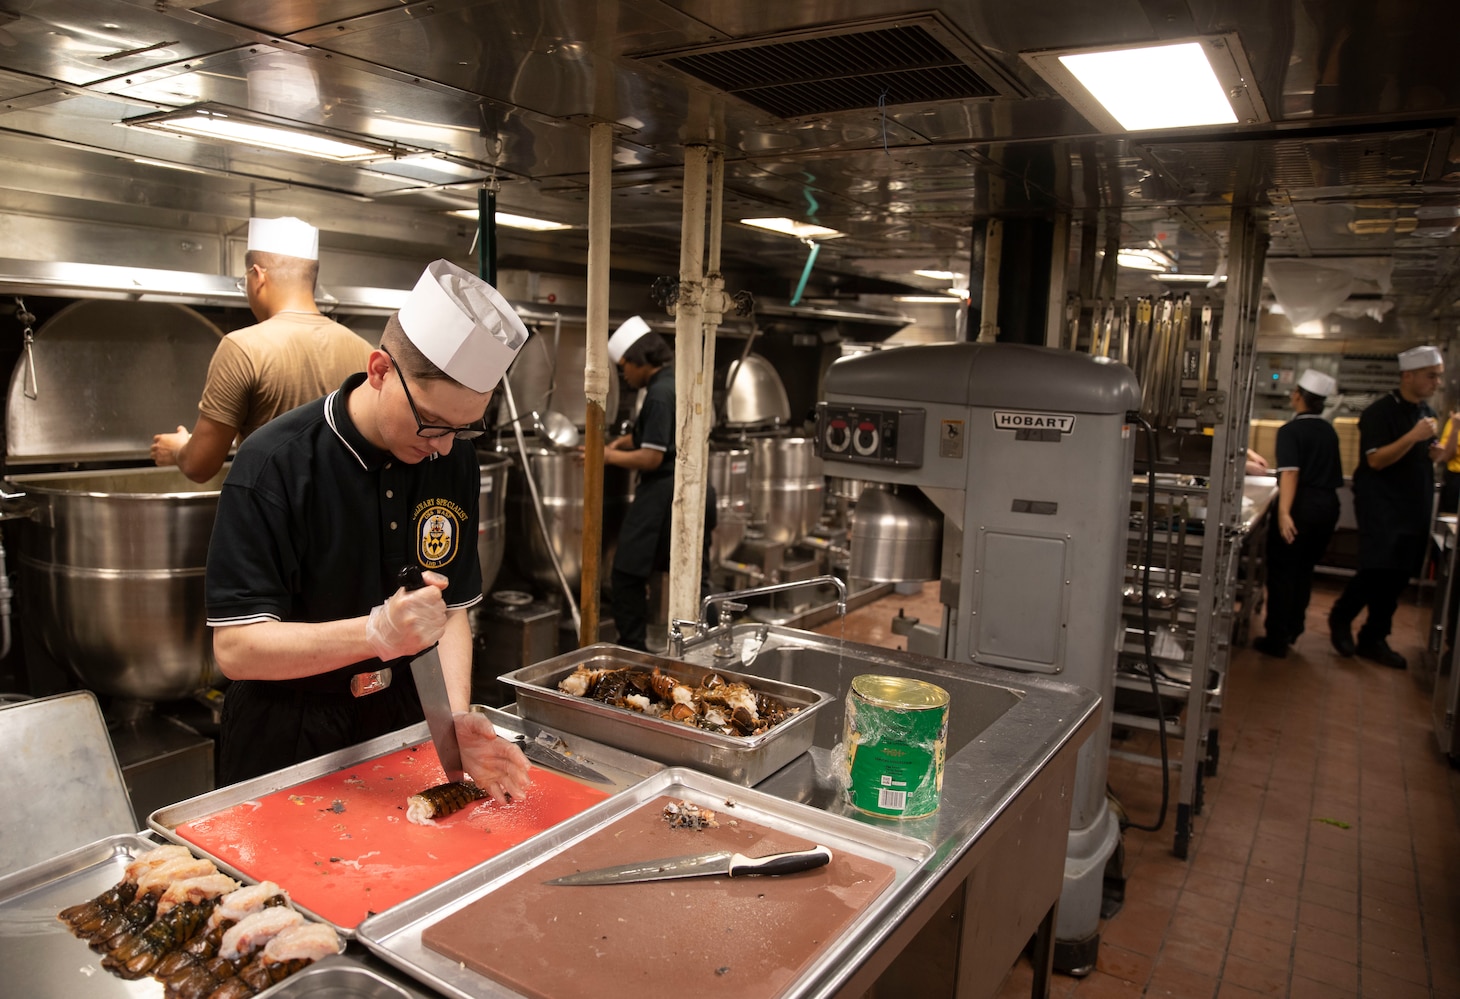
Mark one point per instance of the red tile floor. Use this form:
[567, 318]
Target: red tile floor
[1326, 861]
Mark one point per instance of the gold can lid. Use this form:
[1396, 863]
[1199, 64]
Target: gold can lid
[899, 691]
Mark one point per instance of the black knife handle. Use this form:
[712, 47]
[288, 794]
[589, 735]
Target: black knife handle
[410, 577]
[779, 863]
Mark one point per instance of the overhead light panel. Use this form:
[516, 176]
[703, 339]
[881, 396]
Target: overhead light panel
[790, 227]
[429, 169]
[516, 221]
[1207, 279]
[940, 275]
[1177, 84]
[929, 299]
[246, 128]
[1144, 260]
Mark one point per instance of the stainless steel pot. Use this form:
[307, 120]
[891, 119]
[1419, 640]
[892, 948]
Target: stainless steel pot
[559, 478]
[492, 516]
[730, 475]
[111, 578]
[786, 487]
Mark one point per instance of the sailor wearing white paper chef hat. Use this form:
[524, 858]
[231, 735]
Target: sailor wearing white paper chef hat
[1393, 496]
[322, 509]
[292, 355]
[1309, 472]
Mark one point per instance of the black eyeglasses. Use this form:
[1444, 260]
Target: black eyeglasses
[430, 431]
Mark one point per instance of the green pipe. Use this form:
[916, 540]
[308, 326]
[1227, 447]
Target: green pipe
[806, 272]
[487, 235]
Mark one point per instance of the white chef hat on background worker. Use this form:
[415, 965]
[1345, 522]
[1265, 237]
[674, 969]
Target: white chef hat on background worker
[462, 325]
[628, 334]
[288, 237]
[1317, 383]
[1419, 357]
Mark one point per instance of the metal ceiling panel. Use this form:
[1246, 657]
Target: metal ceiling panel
[82, 42]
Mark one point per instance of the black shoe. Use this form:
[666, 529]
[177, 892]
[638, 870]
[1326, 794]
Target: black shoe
[1270, 646]
[1342, 636]
[1381, 653]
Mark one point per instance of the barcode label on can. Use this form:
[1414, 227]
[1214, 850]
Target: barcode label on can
[893, 801]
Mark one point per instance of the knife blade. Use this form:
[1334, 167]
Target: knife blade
[539, 751]
[733, 865]
[431, 687]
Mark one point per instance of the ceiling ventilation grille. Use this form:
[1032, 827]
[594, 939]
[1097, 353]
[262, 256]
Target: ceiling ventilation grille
[846, 67]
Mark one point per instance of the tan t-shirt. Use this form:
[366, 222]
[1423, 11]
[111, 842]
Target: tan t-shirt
[263, 371]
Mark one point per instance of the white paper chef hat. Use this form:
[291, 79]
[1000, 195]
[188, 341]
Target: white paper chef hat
[463, 325]
[288, 236]
[1419, 357]
[625, 337]
[1318, 383]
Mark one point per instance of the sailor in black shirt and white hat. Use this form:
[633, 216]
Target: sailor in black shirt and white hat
[322, 509]
[1309, 474]
[1394, 492]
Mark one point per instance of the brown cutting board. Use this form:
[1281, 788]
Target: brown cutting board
[701, 937]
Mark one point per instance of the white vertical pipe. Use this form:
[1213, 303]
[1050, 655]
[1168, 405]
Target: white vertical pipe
[993, 253]
[595, 371]
[691, 413]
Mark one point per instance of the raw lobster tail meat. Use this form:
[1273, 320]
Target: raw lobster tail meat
[440, 801]
[288, 952]
[86, 918]
[230, 909]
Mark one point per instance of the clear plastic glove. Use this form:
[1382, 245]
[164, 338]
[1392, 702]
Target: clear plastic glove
[411, 620]
[495, 764]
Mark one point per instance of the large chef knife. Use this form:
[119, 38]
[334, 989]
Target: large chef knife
[731, 865]
[431, 686]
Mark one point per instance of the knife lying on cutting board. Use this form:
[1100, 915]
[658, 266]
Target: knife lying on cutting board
[732, 865]
[431, 686]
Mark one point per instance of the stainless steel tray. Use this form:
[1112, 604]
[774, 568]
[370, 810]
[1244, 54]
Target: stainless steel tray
[39, 958]
[343, 977]
[624, 768]
[395, 935]
[745, 760]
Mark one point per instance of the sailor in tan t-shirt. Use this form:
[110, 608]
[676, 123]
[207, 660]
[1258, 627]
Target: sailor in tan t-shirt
[292, 356]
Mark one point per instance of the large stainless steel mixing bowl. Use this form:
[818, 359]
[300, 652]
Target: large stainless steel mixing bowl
[492, 516]
[787, 487]
[559, 478]
[111, 578]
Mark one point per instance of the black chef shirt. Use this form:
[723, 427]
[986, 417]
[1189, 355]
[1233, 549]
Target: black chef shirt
[314, 523]
[1395, 500]
[1308, 444]
[655, 426]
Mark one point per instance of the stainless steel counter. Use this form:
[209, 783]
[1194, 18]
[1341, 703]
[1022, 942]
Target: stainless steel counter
[998, 838]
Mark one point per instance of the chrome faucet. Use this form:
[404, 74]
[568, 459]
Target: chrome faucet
[760, 591]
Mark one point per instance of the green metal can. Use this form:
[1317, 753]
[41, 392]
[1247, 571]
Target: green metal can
[896, 737]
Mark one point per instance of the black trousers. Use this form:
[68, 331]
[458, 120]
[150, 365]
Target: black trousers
[1378, 589]
[1290, 567]
[643, 548]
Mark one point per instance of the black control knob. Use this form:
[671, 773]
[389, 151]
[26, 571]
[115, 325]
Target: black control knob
[867, 439]
[838, 435]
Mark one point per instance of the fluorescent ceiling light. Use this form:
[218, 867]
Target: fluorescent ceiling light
[169, 166]
[1191, 278]
[1178, 84]
[929, 299]
[940, 275]
[790, 227]
[430, 169]
[247, 129]
[516, 221]
[1144, 260]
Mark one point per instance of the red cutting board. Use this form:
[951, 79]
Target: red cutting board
[709, 938]
[340, 844]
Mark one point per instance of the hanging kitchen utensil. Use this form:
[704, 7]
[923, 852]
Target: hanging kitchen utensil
[556, 430]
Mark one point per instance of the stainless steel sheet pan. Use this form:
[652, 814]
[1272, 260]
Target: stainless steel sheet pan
[395, 935]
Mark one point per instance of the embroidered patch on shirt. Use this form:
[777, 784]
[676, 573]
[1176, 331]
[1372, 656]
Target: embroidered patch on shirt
[438, 532]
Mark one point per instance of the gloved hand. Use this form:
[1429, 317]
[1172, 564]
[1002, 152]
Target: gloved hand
[409, 621]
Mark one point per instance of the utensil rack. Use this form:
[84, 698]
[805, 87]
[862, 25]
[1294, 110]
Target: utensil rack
[1194, 357]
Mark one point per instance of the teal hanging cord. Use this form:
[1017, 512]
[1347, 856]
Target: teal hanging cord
[806, 271]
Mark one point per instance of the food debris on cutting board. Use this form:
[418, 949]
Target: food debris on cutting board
[686, 815]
